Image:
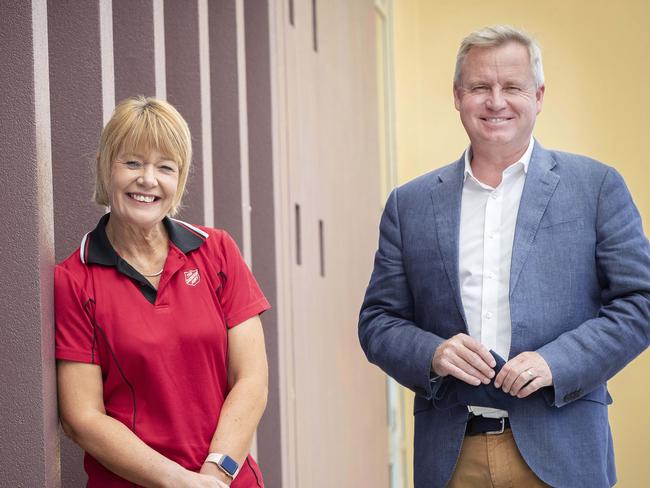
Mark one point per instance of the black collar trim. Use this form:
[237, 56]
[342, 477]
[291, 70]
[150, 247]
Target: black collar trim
[96, 248]
[186, 237]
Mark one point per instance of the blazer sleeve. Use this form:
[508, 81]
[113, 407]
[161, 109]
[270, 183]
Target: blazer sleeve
[587, 356]
[387, 331]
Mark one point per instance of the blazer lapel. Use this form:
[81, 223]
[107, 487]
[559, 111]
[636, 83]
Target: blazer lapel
[446, 197]
[540, 185]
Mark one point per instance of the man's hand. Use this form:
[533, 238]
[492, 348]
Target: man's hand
[464, 358]
[524, 374]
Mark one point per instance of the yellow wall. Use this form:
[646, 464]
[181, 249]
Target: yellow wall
[597, 103]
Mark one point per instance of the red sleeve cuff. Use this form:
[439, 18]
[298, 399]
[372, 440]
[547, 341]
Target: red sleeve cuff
[241, 315]
[74, 355]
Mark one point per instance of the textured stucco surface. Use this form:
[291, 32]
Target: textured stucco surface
[184, 92]
[226, 172]
[76, 115]
[260, 137]
[76, 108]
[133, 55]
[29, 450]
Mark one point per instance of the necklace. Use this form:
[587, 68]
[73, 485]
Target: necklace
[153, 275]
[109, 234]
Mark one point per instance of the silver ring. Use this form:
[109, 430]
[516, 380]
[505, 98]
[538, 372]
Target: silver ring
[530, 373]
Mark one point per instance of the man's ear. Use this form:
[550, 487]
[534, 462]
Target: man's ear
[457, 95]
[539, 96]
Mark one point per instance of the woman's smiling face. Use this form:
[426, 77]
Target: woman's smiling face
[143, 186]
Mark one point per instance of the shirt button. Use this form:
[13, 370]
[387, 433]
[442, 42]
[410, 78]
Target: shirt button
[491, 235]
[488, 315]
[494, 195]
[490, 276]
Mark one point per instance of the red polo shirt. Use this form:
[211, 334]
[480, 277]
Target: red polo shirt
[163, 353]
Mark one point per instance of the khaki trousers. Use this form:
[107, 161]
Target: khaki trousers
[492, 461]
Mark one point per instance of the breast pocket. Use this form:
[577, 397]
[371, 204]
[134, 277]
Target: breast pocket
[569, 225]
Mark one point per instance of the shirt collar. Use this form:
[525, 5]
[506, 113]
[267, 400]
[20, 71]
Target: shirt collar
[97, 249]
[524, 160]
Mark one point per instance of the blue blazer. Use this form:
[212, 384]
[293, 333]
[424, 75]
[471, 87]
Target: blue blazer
[579, 295]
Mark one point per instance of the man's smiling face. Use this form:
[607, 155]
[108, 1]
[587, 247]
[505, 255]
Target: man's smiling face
[498, 98]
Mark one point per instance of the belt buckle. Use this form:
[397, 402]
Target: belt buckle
[497, 432]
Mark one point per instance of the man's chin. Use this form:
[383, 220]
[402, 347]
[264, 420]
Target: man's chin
[503, 139]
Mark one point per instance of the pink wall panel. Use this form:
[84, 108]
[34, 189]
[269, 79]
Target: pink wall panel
[133, 48]
[76, 115]
[29, 449]
[184, 91]
[225, 118]
[260, 137]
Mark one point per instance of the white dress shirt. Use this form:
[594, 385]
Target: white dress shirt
[487, 228]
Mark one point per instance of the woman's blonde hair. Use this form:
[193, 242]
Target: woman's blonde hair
[144, 123]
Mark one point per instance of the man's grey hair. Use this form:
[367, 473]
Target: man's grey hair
[497, 35]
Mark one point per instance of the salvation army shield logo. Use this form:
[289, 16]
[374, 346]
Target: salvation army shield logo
[192, 277]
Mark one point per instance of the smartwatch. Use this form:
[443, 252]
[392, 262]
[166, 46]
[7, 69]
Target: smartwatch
[224, 462]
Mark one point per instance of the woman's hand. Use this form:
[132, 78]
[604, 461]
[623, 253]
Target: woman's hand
[200, 480]
[212, 470]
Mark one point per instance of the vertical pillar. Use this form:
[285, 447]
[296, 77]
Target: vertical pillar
[77, 113]
[77, 117]
[260, 154]
[225, 118]
[133, 41]
[184, 92]
[29, 451]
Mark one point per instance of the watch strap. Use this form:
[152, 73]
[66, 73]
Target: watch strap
[218, 459]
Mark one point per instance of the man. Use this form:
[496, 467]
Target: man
[534, 255]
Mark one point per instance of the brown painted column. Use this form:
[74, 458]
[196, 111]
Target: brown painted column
[258, 81]
[225, 118]
[133, 48]
[76, 106]
[184, 91]
[77, 115]
[29, 451]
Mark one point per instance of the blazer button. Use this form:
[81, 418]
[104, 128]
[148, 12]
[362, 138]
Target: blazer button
[572, 396]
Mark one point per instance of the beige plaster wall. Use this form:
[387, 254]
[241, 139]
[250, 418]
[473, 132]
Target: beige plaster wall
[597, 103]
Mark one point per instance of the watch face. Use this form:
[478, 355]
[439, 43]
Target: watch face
[229, 464]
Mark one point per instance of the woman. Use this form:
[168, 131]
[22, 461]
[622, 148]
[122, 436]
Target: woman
[162, 371]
